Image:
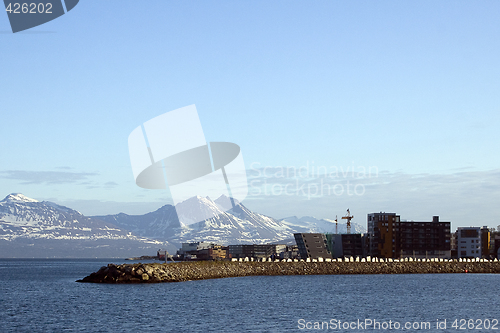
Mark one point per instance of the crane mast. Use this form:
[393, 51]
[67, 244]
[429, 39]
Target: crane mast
[348, 217]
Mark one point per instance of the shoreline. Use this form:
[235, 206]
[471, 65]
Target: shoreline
[202, 270]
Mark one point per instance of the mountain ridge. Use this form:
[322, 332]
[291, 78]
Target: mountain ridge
[24, 220]
[33, 228]
[236, 225]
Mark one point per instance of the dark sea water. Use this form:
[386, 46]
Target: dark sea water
[42, 296]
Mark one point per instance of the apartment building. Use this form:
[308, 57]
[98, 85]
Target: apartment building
[469, 242]
[390, 237]
[312, 245]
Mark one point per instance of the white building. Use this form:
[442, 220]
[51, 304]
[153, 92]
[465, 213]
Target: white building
[195, 246]
[469, 242]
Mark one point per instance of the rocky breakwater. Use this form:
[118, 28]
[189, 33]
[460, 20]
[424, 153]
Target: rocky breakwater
[185, 271]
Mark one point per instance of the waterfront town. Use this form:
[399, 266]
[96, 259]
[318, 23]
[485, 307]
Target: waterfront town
[388, 237]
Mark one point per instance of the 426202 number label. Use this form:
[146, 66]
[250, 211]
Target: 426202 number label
[29, 8]
[475, 324]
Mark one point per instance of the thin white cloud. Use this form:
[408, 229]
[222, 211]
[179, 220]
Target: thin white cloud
[45, 177]
[463, 197]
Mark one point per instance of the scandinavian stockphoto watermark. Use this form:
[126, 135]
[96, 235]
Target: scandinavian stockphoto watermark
[364, 324]
[310, 180]
[25, 15]
[376, 324]
[170, 150]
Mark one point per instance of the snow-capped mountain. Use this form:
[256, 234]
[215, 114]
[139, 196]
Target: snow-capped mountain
[40, 227]
[30, 228]
[237, 225]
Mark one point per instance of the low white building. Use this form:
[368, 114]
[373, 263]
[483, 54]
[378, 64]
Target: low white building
[469, 242]
[195, 246]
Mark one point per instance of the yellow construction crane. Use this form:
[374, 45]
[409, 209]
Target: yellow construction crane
[348, 217]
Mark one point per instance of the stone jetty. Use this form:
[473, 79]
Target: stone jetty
[200, 270]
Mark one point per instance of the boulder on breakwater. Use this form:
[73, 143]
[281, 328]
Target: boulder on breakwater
[200, 270]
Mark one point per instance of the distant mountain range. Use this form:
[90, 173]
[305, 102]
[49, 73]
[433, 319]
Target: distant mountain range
[235, 226]
[29, 228]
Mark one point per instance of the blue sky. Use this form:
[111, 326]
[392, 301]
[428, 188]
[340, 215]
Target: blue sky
[409, 89]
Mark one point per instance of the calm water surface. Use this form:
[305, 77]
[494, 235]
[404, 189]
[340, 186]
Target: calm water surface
[42, 296]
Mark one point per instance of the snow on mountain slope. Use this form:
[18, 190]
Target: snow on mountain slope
[23, 218]
[18, 197]
[160, 224]
[237, 225]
